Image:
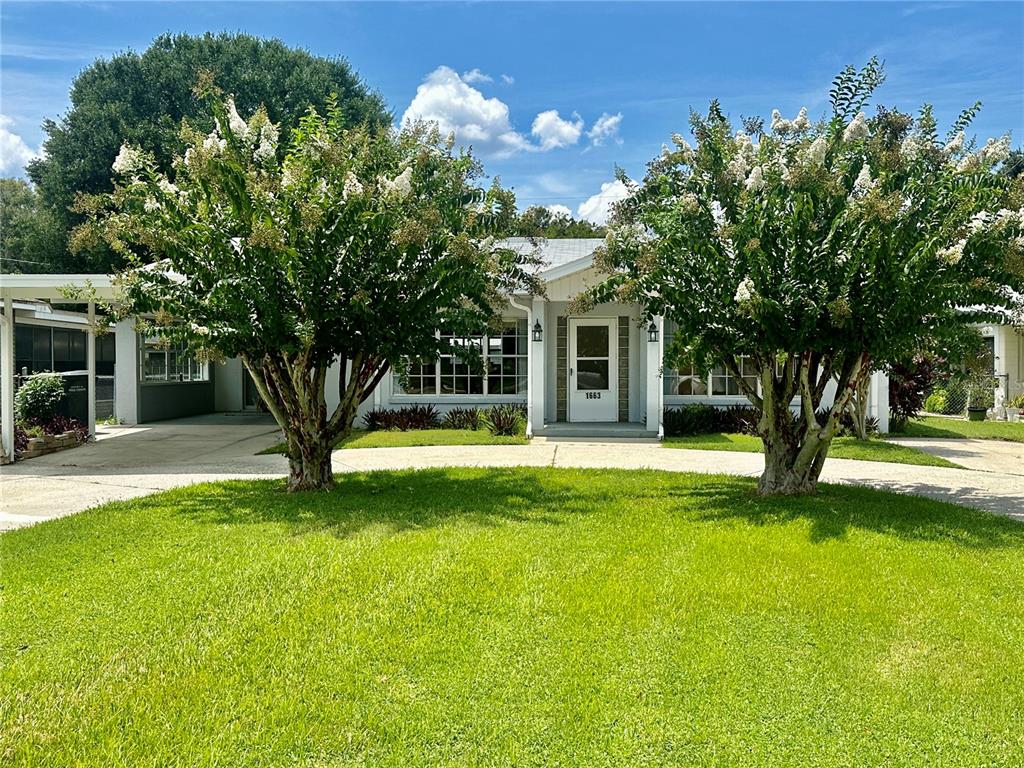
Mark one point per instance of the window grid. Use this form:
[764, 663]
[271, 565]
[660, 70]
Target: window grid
[161, 363]
[505, 366]
[687, 381]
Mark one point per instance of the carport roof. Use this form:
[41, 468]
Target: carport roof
[51, 287]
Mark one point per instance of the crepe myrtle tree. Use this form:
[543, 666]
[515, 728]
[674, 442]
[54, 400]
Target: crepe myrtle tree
[818, 250]
[357, 247]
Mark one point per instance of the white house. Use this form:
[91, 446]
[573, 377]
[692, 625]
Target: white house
[599, 373]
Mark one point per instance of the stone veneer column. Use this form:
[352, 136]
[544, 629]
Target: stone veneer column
[623, 368]
[561, 365]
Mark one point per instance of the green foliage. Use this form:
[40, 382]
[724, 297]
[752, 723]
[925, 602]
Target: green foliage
[31, 239]
[39, 397]
[505, 420]
[539, 221]
[700, 418]
[143, 99]
[463, 418]
[357, 246]
[937, 402]
[411, 417]
[1017, 402]
[821, 252]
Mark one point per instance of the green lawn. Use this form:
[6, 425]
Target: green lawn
[381, 439]
[530, 617]
[939, 426]
[842, 448]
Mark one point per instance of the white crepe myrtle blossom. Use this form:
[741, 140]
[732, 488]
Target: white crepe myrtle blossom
[151, 205]
[953, 253]
[780, 124]
[745, 291]
[167, 187]
[214, 143]
[737, 168]
[978, 221]
[685, 150]
[995, 151]
[814, 155]
[352, 187]
[800, 122]
[745, 146]
[857, 129]
[128, 161]
[863, 183]
[755, 181]
[237, 124]
[718, 213]
[400, 186]
[910, 149]
[955, 144]
[267, 147]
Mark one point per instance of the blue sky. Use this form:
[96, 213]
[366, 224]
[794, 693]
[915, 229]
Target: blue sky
[499, 72]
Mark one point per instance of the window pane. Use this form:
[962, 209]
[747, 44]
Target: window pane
[592, 341]
[154, 365]
[592, 374]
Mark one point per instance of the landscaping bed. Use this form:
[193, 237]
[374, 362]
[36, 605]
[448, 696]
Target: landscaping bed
[524, 617]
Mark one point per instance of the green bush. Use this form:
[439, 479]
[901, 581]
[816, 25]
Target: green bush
[505, 420]
[38, 399]
[702, 419]
[411, 417]
[936, 402]
[1017, 402]
[462, 418]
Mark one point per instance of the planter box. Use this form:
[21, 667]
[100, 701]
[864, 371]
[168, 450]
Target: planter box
[40, 446]
[1013, 414]
[976, 414]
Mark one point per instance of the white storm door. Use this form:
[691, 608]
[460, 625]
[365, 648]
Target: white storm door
[593, 370]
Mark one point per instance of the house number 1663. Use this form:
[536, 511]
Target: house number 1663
[593, 395]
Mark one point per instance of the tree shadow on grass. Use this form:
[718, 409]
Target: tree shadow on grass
[410, 500]
[401, 501]
[837, 509]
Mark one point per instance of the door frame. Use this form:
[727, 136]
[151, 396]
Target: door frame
[612, 323]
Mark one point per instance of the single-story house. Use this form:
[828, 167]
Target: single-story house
[599, 373]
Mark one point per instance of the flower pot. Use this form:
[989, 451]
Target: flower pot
[1013, 414]
[976, 414]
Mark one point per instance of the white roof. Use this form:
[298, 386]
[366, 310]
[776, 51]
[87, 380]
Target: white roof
[559, 257]
[35, 286]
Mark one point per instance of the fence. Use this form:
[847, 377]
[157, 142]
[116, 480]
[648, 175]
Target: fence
[953, 398]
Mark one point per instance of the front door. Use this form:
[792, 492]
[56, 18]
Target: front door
[593, 372]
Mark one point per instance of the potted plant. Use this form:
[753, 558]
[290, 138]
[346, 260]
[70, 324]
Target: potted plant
[980, 394]
[1013, 408]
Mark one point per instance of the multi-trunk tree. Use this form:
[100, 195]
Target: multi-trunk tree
[819, 251]
[358, 247]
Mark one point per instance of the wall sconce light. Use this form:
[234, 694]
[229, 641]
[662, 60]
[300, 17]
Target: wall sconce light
[538, 332]
[652, 332]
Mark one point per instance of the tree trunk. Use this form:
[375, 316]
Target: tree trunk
[309, 466]
[790, 470]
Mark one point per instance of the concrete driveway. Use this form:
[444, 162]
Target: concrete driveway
[126, 462]
[129, 462]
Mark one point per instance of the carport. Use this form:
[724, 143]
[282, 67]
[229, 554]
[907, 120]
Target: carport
[45, 288]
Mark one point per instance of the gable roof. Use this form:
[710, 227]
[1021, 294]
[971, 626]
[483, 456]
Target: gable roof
[559, 257]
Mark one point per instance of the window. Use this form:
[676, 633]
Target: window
[160, 362]
[504, 359]
[42, 348]
[724, 383]
[685, 381]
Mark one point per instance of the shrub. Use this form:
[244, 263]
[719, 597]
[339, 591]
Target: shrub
[1017, 402]
[39, 397]
[701, 419]
[462, 418]
[60, 424]
[505, 419]
[937, 402]
[402, 419]
[909, 385]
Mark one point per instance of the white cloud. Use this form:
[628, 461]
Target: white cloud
[554, 132]
[476, 76]
[448, 99]
[14, 152]
[558, 210]
[507, 79]
[597, 208]
[606, 127]
[456, 106]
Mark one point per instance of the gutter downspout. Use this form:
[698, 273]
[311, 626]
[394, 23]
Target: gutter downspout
[529, 363]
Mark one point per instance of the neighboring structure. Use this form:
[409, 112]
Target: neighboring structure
[600, 369]
[1006, 345]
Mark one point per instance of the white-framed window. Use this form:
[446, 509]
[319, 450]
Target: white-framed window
[505, 366]
[160, 362]
[687, 381]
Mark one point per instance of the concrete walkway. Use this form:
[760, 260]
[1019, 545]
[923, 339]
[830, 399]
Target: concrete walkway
[1001, 456]
[129, 462]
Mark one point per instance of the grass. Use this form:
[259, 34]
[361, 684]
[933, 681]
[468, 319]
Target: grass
[382, 439]
[500, 617]
[939, 426]
[842, 448]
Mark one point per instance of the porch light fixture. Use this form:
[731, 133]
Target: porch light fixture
[538, 332]
[652, 332]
